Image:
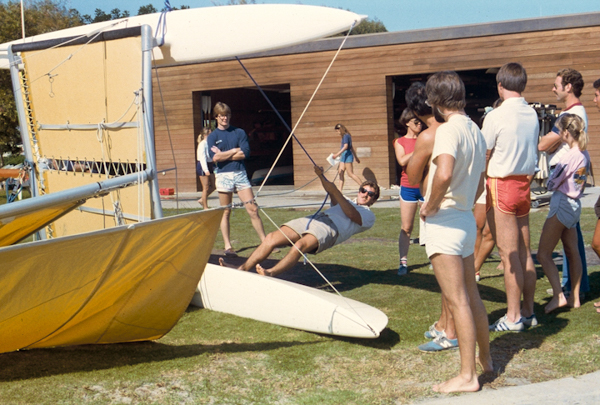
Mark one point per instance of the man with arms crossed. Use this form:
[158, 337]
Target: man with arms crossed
[315, 234]
[442, 332]
[228, 147]
[511, 133]
[568, 86]
[455, 180]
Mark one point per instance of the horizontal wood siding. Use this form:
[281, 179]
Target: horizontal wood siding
[356, 93]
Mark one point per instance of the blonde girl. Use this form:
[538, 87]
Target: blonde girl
[567, 182]
[205, 168]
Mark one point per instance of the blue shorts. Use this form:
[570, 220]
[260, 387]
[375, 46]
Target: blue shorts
[200, 171]
[410, 194]
[346, 156]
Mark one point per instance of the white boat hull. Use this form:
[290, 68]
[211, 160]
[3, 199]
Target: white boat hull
[208, 33]
[284, 303]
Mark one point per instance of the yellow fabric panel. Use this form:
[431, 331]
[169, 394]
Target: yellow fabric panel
[87, 84]
[79, 221]
[123, 284]
[13, 229]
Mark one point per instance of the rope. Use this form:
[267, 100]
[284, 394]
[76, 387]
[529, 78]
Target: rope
[292, 131]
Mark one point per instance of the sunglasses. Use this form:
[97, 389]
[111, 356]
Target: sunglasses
[416, 122]
[369, 193]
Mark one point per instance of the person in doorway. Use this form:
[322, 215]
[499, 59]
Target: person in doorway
[410, 195]
[455, 181]
[314, 234]
[228, 147]
[347, 155]
[205, 168]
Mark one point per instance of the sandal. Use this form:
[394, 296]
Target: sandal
[230, 253]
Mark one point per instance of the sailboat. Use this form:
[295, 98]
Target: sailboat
[105, 266]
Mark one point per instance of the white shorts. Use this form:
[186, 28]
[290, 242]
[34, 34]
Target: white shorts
[229, 182]
[451, 232]
[321, 227]
[566, 209]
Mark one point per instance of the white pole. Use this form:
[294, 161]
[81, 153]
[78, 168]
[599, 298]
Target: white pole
[22, 19]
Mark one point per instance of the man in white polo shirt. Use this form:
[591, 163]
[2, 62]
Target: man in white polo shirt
[511, 134]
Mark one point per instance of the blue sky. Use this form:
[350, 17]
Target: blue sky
[397, 15]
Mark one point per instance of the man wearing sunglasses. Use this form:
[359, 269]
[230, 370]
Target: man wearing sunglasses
[315, 233]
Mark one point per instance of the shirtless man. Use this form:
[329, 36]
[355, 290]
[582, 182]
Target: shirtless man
[315, 234]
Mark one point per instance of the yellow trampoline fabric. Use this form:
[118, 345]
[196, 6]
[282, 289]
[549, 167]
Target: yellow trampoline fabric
[122, 284]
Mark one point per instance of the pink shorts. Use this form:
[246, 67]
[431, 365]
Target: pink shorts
[510, 195]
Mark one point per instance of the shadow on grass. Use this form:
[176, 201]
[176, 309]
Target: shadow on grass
[39, 363]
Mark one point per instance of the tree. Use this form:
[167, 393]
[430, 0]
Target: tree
[369, 26]
[40, 16]
[148, 9]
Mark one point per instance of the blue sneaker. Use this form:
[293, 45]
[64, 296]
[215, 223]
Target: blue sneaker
[432, 333]
[438, 344]
[402, 270]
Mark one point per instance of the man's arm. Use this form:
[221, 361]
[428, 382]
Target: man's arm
[439, 187]
[549, 142]
[415, 169]
[338, 198]
[231, 154]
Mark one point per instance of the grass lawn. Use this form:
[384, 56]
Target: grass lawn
[213, 358]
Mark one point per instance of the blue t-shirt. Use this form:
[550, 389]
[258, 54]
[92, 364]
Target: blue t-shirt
[225, 140]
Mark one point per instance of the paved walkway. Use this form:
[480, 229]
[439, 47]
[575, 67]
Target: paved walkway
[583, 390]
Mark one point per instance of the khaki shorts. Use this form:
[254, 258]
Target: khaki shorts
[321, 227]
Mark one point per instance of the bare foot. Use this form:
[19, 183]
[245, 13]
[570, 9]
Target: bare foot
[225, 264]
[556, 302]
[500, 266]
[573, 301]
[458, 384]
[487, 366]
[262, 271]
[597, 306]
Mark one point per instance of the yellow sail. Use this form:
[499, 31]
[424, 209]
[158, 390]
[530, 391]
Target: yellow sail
[123, 284]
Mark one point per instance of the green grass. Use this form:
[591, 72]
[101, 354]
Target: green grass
[214, 358]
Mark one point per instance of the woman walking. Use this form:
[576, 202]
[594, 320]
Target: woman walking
[347, 156]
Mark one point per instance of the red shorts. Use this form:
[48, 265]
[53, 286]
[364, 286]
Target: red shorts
[510, 195]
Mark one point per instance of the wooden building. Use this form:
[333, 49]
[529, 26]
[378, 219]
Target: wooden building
[364, 90]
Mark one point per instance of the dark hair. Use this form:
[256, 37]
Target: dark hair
[406, 116]
[572, 77]
[375, 187]
[416, 98]
[342, 129]
[446, 90]
[597, 84]
[513, 77]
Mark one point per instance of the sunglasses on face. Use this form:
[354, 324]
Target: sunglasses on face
[416, 122]
[369, 193]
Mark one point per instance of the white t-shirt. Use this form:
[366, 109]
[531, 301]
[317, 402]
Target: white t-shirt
[346, 227]
[460, 138]
[512, 131]
[576, 109]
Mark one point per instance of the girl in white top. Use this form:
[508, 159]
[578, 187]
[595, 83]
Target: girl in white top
[204, 168]
[567, 181]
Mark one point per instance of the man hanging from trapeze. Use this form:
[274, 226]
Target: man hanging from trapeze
[315, 234]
